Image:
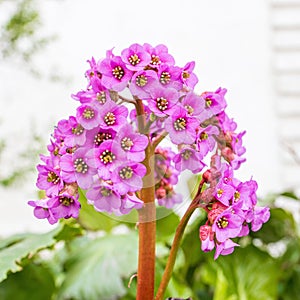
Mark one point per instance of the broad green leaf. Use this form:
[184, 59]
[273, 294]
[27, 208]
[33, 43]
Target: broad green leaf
[90, 219]
[290, 271]
[34, 282]
[247, 274]
[177, 286]
[96, 269]
[166, 224]
[71, 229]
[23, 246]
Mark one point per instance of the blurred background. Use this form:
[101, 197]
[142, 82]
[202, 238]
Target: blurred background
[251, 48]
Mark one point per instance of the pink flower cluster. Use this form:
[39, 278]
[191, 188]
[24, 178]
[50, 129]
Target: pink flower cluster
[101, 148]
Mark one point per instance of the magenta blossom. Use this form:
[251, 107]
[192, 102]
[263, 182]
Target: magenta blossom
[64, 206]
[225, 248]
[194, 105]
[181, 126]
[112, 116]
[87, 116]
[207, 238]
[261, 215]
[187, 76]
[109, 154]
[206, 141]
[133, 144]
[129, 202]
[169, 76]
[142, 83]
[96, 136]
[163, 101]
[115, 74]
[159, 55]
[49, 179]
[103, 197]
[105, 158]
[127, 177]
[135, 57]
[215, 102]
[41, 210]
[227, 225]
[189, 159]
[74, 168]
[170, 200]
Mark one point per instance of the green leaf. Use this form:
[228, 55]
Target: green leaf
[166, 224]
[71, 229]
[34, 282]
[247, 274]
[22, 246]
[290, 271]
[177, 286]
[90, 219]
[96, 269]
[289, 194]
[191, 244]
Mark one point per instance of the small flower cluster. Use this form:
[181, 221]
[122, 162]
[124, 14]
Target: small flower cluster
[101, 149]
[231, 207]
[166, 176]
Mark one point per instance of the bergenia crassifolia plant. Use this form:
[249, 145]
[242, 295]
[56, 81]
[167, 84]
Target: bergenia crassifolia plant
[111, 148]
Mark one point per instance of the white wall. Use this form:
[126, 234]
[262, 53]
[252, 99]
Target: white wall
[229, 40]
[285, 22]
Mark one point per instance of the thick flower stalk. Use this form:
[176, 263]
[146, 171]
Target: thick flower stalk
[111, 148]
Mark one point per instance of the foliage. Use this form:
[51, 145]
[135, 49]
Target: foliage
[20, 31]
[83, 264]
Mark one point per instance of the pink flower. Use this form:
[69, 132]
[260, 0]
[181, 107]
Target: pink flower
[103, 197]
[215, 102]
[74, 168]
[105, 158]
[133, 144]
[187, 76]
[206, 141]
[224, 193]
[261, 215]
[135, 57]
[87, 116]
[181, 127]
[159, 55]
[127, 177]
[163, 101]
[189, 159]
[207, 238]
[227, 225]
[112, 116]
[49, 179]
[96, 136]
[170, 200]
[169, 76]
[115, 74]
[41, 210]
[194, 105]
[142, 83]
[225, 248]
[129, 202]
[64, 206]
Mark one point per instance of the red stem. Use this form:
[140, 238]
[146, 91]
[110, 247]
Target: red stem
[147, 220]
